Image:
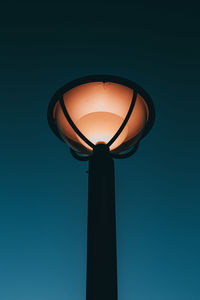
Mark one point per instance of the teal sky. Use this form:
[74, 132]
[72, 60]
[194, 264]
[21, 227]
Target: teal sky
[43, 213]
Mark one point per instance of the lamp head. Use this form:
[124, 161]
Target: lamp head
[101, 109]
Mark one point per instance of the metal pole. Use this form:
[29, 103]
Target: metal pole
[101, 237]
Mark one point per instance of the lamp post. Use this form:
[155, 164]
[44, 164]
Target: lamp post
[101, 117]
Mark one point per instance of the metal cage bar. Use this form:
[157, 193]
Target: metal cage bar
[125, 120]
[67, 116]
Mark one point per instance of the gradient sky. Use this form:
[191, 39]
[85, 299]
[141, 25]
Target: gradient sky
[43, 212]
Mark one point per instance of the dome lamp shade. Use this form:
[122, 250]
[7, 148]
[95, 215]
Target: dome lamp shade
[101, 109]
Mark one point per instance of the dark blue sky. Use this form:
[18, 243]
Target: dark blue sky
[43, 213]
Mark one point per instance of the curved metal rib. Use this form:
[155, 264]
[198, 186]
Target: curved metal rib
[79, 157]
[67, 116]
[125, 120]
[128, 154]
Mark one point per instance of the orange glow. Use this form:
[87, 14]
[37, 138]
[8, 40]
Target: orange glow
[104, 126]
[98, 110]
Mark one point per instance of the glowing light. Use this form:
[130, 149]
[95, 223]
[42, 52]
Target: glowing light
[98, 110]
[100, 127]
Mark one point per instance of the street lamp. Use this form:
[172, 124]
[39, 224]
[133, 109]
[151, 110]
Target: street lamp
[101, 117]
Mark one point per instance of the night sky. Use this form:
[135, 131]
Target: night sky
[43, 195]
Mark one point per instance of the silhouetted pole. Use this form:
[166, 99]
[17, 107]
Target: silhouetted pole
[101, 238]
